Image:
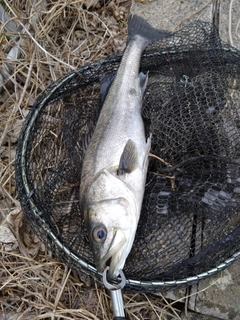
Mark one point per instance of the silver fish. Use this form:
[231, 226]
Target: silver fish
[116, 160]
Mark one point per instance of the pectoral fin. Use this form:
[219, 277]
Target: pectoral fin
[129, 158]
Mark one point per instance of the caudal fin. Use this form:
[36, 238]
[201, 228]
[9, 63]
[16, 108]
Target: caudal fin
[138, 26]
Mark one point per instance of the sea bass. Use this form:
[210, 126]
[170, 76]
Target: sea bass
[116, 160]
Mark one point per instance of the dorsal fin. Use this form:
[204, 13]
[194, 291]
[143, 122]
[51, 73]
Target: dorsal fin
[129, 158]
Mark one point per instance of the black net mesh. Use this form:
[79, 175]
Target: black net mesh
[190, 224]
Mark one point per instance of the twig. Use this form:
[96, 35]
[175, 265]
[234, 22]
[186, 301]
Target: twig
[63, 284]
[160, 159]
[4, 191]
[236, 30]
[230, 23]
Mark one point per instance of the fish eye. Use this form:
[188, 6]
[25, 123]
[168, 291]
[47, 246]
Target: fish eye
[99, 233]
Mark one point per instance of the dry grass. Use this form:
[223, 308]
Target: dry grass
[68, 34]
[45, 289]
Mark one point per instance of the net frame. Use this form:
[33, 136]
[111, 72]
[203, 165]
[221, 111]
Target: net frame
[72, 83]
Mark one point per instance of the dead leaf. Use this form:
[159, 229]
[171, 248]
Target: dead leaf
[14, 219]
[8, 239]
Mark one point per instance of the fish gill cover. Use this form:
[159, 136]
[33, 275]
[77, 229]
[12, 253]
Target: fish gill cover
[189, 226]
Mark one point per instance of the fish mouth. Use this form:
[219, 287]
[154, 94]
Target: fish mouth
[114, 255]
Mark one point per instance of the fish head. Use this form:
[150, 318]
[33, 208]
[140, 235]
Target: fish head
[110, 233]
[111, 224]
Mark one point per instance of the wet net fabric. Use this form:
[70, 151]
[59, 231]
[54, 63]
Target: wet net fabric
[190, 224]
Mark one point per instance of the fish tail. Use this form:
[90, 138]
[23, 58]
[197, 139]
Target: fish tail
[138, 26]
